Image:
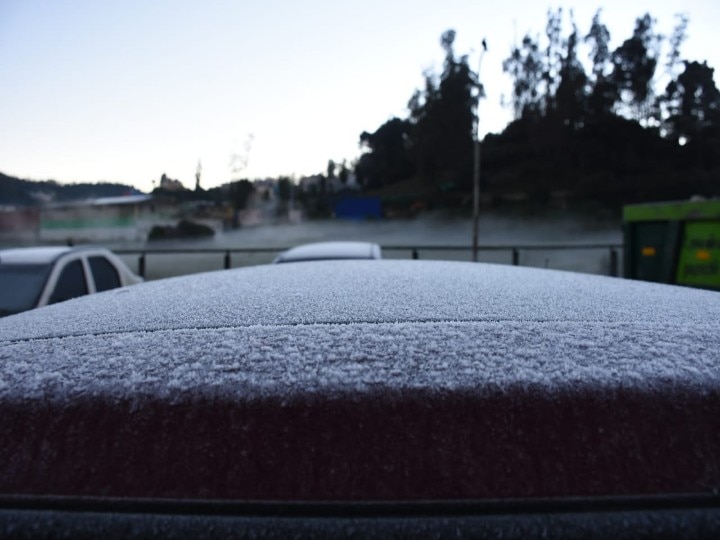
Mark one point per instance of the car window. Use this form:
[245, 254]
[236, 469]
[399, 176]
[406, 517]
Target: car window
[104, 273]
[70, 284]
[21, 286]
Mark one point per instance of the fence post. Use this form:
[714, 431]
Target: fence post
[415, 254]
[515, 256]
[141, 264]
[614, 263]
[227, 260]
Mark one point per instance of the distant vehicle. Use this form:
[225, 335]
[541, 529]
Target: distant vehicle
[395, 399]
[37, 276]
[323, 251]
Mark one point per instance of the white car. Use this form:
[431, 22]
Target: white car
[38, 276]
[324, 251]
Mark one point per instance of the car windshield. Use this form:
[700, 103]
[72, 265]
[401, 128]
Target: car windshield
[21, 286]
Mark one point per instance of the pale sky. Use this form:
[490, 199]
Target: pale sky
[126, 91]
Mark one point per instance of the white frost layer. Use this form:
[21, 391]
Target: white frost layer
[255, 362]
[362, 326]
[365, 291]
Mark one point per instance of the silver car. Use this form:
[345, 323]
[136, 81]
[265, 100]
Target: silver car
[324, 251]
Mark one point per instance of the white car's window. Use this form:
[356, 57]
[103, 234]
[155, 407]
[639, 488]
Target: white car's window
[21, 286]
[104, 274]
[70, 284]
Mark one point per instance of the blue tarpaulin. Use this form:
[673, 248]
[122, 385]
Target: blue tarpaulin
[358, 208]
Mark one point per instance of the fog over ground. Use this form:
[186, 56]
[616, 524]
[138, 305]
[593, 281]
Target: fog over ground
[432, 230]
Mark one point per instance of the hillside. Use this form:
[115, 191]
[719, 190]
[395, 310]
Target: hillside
[19, 192]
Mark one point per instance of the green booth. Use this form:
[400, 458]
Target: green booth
[677, 242]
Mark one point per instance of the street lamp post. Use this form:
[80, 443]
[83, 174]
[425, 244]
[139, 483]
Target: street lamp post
[476, 162]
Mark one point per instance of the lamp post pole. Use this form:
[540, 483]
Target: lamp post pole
[476, 163]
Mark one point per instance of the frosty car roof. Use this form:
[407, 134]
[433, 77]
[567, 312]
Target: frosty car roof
[366, 380]
[346, 292]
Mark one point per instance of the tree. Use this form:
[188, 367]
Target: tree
[385, 158]
[634, 64]
[678, 37]
[436, 142]
[344, 173]
[240, 192]
[603, 92]
[442, 118]
[525, 67]
[570, 94]
[284, 188]
[693, 102]
[553, 57]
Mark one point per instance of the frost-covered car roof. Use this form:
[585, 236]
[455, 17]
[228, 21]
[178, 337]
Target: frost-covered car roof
[365, 380]
[322, 251]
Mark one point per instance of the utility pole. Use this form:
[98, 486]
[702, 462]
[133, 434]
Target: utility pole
[476, 167]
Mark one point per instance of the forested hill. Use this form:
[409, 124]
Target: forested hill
[633, 123]
[18, 192]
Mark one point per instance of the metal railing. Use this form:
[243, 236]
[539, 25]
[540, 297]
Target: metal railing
[414, 251]
[227, 252]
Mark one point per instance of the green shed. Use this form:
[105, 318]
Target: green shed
[675, 242]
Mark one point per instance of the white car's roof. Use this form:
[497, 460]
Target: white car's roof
[347, 324]
[33, 255]
[331, 250]
[42, 254]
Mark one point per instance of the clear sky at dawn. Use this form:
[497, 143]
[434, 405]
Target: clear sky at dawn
[125, 91]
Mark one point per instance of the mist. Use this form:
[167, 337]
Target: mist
[398, 238]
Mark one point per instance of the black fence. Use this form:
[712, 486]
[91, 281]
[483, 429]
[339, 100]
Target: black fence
[415, 252]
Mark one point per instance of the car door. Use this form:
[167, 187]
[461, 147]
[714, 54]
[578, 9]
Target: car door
[71, 282]
[105, 275]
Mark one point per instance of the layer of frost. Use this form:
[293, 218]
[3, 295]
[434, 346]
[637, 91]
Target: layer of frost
[376, 326]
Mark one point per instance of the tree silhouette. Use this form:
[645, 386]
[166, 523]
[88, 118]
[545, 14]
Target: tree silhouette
[602, 136]
[386, 158]
[442, 118]
[240, 192]
[693, 102]
[570, 97]
[553, 61]
[525, 67]
[677, 38]
[634, 64]
[604, 92]
[597, 137]
[344, 173]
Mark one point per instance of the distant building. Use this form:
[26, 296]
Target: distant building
[316, 183]
[19, 223]
[128, 218]
[311, 184]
